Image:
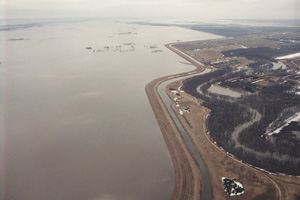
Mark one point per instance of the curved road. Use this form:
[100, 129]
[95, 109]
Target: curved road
[167, 101]
[188, 177]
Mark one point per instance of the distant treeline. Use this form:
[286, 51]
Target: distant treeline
[230, 30]
[262, 52]
[236, 30]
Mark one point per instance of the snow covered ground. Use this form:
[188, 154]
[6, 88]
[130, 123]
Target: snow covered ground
[231, 187]
[295, 55]
[295, 117]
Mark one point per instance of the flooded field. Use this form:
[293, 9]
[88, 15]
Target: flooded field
[76, 122]
[223, 91]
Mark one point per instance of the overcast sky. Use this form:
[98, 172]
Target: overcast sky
[181, 9]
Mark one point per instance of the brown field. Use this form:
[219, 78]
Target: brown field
[257, 184]
[208, 55]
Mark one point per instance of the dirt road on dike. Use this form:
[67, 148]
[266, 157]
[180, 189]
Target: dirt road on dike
[188, 183]
[187, 174]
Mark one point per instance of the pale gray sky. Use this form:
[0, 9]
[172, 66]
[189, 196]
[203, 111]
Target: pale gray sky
[185, 9]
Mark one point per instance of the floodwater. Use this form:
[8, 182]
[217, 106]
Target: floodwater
[223, 91]
[235, 134]
[77, 124]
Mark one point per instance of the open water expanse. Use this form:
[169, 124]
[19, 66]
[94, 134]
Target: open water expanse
[77, 124]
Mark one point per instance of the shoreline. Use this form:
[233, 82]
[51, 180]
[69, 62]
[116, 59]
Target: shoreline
[188, 182]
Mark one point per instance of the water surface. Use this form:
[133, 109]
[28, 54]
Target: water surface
[77, 124]
[223, 91]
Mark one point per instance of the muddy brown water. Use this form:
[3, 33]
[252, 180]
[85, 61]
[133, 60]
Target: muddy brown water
[77, 124]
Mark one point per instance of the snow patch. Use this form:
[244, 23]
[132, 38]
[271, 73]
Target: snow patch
[257, 81]
[295, 55]
[232, 188]
[179, 89]
[180, 112]
[295, 117]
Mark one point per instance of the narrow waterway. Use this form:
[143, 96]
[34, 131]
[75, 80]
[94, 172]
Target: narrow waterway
[167, 101]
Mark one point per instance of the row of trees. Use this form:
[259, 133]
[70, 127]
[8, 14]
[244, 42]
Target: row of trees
[269, 163]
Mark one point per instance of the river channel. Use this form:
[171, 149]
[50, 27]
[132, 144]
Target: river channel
[216, 89]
